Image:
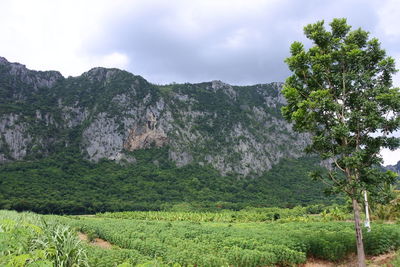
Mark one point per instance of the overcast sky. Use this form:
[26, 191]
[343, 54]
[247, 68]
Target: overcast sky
[236, 41]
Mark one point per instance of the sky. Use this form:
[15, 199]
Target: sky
[240, 42]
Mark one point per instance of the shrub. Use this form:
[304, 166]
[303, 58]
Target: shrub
[381, 240]
[249, 258]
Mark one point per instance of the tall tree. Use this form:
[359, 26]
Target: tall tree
[341, 93]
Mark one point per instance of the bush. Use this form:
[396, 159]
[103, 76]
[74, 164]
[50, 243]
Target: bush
[105, 257]
[381, 239]
[249, 258]
[331, 246]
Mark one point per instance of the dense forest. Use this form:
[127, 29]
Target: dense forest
[109, 140]
[68, 184]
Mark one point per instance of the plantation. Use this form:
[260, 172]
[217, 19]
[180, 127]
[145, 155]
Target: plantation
[251, 237]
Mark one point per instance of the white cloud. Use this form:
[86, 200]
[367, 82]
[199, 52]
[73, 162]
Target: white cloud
[113, 60]
[238, 41]
[388, 12]
[49, 34]
[390, 157]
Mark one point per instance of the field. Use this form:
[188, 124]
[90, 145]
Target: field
[257, 237]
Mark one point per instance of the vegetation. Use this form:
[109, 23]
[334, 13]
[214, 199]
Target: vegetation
[55, 177]
[389, 211]
[156, 214]
[225, 216]
[66, 184]
[184, 239]
[47, 112]
[340, 92]
[396, 260]
[28, 240]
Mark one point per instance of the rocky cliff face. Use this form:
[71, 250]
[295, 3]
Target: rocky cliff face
[395, 168]
[108, 113]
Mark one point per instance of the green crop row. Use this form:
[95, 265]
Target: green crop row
[237, 244]
[28, 239]
[226, 216]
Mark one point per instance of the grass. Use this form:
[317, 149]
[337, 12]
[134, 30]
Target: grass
[396, 260]
[28, 239]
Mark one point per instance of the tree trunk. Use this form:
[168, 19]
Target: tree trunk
[359, 238]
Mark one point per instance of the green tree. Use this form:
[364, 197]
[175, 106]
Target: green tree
[341, 93]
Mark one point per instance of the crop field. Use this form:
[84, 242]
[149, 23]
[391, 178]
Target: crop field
[185, 239]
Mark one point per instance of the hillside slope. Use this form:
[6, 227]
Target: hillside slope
[105, 113]
[395, 167]
[110, 140]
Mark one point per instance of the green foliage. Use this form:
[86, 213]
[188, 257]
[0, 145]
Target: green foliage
[27, 240]
[192, 241]
[381, 240]
[224, 216]
[340, 92]
[331, 246]
[62, 246]
[106, 257]
[396, 260]
[55, 177]
[67, 184]
[335, 214]
[247, 257]
[202, 108]
[386, 212]
[389, 211]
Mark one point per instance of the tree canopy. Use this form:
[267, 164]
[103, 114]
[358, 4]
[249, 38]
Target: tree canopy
[341, 93]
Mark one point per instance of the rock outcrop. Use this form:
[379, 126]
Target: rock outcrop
[146, 136]
[108, 113]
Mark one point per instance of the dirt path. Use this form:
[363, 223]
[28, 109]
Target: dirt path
[382, 260]
[98, 242]
[377, 261]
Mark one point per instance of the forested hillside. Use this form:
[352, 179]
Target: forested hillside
[110, 140]
[67, 184]
[395, 167]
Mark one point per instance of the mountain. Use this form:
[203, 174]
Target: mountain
[110, 117]
[395, 168]
[108, 113]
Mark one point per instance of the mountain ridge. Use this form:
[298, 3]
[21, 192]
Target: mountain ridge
[108, 140]
[395, 167]
[116, 112]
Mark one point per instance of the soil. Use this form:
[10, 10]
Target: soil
[382, 260]
[377, 261]
[351, 261]
[98, 242]
[318, 263]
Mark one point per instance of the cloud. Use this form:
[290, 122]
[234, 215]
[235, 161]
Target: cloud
[236, 41]
[390, 157]
[389, 18]
[114, 60]
[48, 34]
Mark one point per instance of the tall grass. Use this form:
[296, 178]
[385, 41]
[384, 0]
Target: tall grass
[27, 239]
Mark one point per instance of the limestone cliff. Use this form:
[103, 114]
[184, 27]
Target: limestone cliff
[108, 113]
